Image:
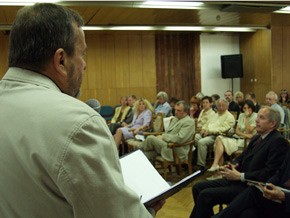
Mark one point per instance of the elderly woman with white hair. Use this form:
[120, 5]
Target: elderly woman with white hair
[161, 104]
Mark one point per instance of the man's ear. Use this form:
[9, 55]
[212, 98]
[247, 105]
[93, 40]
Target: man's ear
[59, 62]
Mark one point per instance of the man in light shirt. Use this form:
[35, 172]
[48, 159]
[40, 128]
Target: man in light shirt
[271, 101]
[221, 122]
[206, 113]
[161, 104]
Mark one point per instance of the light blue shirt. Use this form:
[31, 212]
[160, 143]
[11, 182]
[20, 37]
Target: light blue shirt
[281, 111]
[163, 108]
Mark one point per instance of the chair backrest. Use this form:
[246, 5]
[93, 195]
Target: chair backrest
[107, 112]
[156, 124]
[190, 142]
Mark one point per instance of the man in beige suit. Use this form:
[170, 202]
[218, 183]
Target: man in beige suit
[57, 155]
[180, 130]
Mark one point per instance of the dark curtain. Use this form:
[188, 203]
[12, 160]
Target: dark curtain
[178, 64]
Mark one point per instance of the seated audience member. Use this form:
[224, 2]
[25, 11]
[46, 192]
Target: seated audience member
[206, 113]
[119, 115]
[161, 104]
[284, 97]
[263, 156]
[129, 117]
[221, 122]
[233, 106]
[95, 104]
[194, 107]
[251, 96]
[214, 97]
[239, 98]
[180, 130]
[141, 120]
[58, 158]
[268, 201]
[271, 101]
[245, 129]
[172, 103]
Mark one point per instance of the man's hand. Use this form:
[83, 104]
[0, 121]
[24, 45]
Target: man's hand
[124, 124]
[229, 172]
[136, 131]
[157, 205]
[271, 192]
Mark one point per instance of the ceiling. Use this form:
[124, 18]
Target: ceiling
[213, 13]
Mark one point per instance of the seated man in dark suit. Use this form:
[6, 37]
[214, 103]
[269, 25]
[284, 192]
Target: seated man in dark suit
[128, 118]
[233, 106]
[270, 201]
[263, 156]
[251, 96]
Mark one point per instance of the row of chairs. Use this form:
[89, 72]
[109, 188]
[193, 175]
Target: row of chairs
[107, 112]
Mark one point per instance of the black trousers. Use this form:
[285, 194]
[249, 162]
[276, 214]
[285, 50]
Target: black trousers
[207, 194]
[113, 127]
[251, 204]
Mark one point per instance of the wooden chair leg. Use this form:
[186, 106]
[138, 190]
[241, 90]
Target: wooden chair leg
[178, 169]
[189, 168]
[165, 168]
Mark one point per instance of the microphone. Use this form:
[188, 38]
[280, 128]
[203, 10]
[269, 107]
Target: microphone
[95, 104]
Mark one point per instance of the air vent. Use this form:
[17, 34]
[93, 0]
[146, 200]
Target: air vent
[250, 9]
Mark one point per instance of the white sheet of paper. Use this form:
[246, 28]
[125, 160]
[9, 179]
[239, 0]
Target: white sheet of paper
[166, 122]
[141, 176]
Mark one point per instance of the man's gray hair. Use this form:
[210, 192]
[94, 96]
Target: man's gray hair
[274, 115]
[272, 94]
[186, 106]
[224, 100]
[162, 95]
[95, 104]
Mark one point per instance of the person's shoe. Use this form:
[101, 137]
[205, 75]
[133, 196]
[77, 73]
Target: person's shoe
[214, 168]
[197, 167]
[214, 177]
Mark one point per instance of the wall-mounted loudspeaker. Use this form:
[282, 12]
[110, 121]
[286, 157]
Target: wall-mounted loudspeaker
[232, 66]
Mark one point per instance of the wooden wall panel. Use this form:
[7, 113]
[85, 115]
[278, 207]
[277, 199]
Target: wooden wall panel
[135, 60]
[3, 54]
[280, 52]
[257, 54]
[122, 61]
[277, 60]
[108, 68]
[119, 64]
[285, 78]
[149, 67]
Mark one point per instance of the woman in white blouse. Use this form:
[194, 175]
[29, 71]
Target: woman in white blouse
[246, 129]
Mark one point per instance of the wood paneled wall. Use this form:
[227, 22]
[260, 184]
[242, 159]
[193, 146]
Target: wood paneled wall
[280, 52]
[3, 54]
[119, 64]
[266, 56]
[256, 50]
[178, 64]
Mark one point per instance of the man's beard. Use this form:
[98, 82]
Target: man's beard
[73, 83]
